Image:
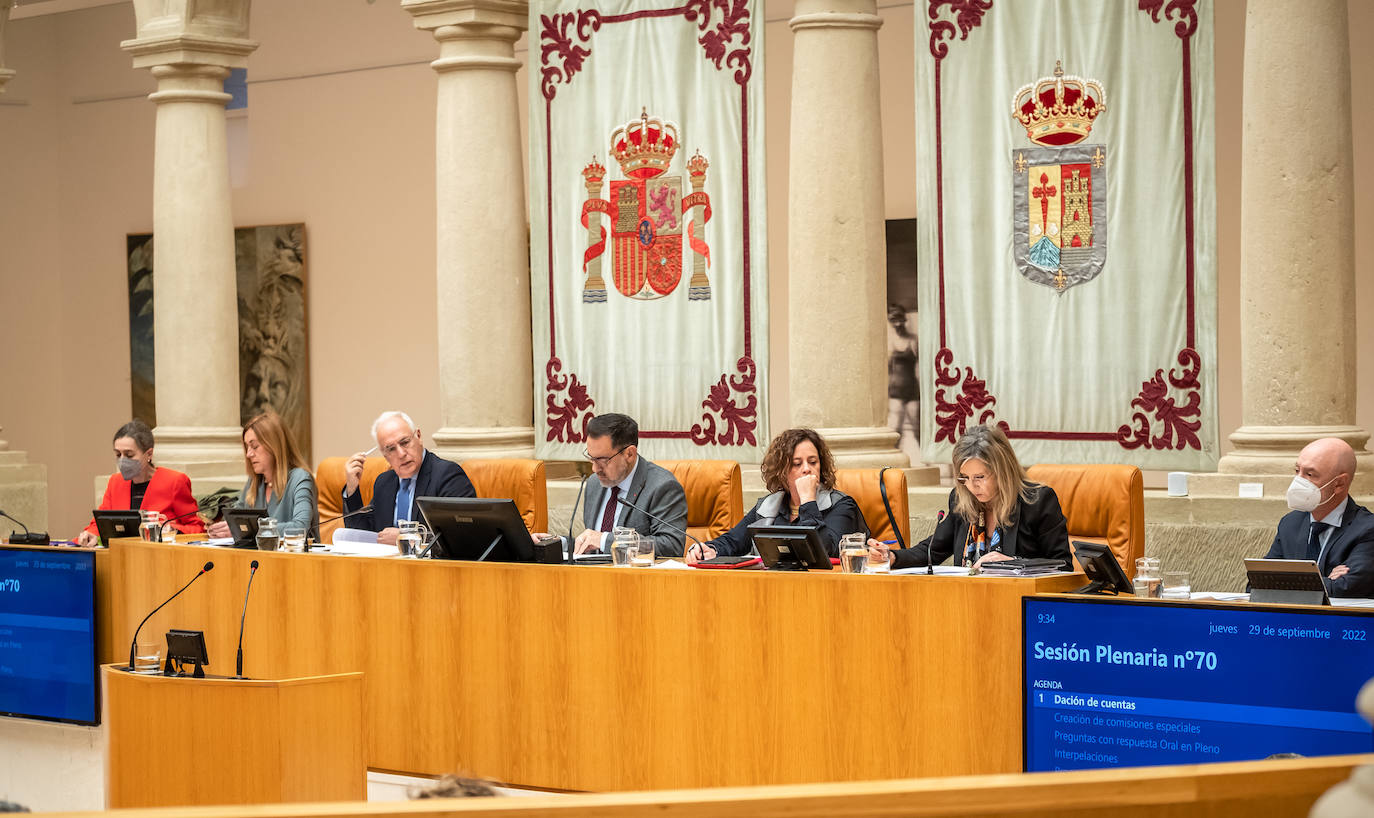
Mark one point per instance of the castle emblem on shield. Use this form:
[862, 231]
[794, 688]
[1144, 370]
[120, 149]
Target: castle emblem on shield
[649, 216]
[1059, 215]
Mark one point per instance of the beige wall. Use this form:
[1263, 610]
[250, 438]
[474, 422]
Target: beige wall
[340, 135]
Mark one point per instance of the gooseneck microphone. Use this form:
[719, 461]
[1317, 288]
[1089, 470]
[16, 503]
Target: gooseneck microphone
[662, 521]
[572, 524]
[315, 529]
[238, 661]
[133, 643]
[930, 560]
[175, 519]
[28, 538]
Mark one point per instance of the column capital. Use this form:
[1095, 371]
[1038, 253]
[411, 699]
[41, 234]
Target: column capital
[435, 14]
[187, 31]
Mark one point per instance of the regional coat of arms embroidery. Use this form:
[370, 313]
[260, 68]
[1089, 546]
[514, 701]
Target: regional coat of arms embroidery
[1059, 215]
[647, 211]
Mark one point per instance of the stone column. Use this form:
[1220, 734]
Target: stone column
[485, 375]
[837, 255]
[6, 74]
[189, 48]
[1297, 243]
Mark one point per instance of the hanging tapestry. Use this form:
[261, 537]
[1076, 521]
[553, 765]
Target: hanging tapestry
[648, 224]
[1067, 243]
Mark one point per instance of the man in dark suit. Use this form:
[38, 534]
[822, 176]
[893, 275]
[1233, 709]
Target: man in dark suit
[1326, 525]
[613, 449]
[415, 472]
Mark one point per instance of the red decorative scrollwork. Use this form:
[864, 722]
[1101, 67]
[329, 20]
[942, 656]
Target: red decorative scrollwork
[1178, 430]
[720, 42]
[558, 42]
[722, 407]
[564, 415]
[1184, 10]
[951, 417]
[968, 14]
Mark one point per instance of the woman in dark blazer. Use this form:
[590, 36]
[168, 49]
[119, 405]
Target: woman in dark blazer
[799, 471]
[995, 513]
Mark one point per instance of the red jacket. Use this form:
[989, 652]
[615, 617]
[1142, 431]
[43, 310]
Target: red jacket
[168, 491]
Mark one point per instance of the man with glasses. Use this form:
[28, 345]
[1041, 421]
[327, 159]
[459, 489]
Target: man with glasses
[613, 449]
[415, 472]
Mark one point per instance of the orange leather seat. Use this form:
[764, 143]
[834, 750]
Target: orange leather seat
[514, 479]
[1102, 503]
[715, 494]
[862, 485]
[329, 483]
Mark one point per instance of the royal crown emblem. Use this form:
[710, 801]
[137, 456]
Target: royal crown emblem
[646, 210]
[1059, 216]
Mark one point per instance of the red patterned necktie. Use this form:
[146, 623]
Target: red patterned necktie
[608, 519]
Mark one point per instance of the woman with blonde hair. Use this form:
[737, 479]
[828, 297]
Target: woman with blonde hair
[799, 472]
[995, 513]
[278, 479]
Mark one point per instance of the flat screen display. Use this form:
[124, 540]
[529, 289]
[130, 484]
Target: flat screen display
[47, 634]
[1130, 684]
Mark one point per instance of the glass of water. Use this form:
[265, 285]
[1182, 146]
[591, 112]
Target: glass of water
[1177, 585]
[853, 553]
[624, 546]
[1148, 582]
[643, 556]
[148, 658]
[412, 539]
[149, 524]
[293, 537]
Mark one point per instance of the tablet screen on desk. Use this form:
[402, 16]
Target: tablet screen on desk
[1127, 683]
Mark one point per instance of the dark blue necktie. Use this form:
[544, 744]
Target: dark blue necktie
[1314, 540]
[403, 499]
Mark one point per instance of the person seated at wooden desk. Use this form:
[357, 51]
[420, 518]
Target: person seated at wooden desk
[278, 479]
[987, 520]
[139, 485]
[1325, 524]
[415, 472]
[799, 471]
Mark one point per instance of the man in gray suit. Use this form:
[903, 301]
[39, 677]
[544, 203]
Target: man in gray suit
[613, 449]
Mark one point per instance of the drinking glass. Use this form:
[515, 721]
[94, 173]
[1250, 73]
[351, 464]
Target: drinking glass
[1147, 579]
[643, 556]
[148, 658]
[293, 537]
[853, 553]
[1176, 585]
[413, 538]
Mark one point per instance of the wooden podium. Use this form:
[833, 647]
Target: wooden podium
[177, 741]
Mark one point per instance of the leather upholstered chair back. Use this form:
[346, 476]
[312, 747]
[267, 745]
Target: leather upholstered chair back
[715, 494]
[1103, 503]
[862, 485]
[329, 483]
[514, 479]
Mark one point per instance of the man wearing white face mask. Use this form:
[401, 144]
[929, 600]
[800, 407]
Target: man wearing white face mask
[1325, 524]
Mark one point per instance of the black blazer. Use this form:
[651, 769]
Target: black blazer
[437, 478]
[1036, 530]
[1351, 545]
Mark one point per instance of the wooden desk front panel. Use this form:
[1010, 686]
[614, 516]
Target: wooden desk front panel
[599, 678]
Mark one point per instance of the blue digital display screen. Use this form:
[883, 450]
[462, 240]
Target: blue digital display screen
[47, 634]
[1131, 684]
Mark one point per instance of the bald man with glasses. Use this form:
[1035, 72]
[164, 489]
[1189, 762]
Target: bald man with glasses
[613, 449]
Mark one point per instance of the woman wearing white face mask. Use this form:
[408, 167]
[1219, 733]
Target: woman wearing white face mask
[139, 485]
[1325, 524]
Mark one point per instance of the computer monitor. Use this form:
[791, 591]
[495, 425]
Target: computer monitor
[1286, 582]
[47, 635]
[111, 524]
[790, 547]
[243, 525]
[1126, 682]
[476, 528]
[1101, 568]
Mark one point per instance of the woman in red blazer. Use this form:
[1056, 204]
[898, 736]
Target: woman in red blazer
[156, 489]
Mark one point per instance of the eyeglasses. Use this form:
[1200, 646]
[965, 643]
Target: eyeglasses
[603, 461]
[403, 443]
[975, 480]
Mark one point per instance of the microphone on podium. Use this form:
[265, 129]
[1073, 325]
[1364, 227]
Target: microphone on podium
[238, 661]
[572, 524]
[133, 643]
[175, 519]
[27, 538]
